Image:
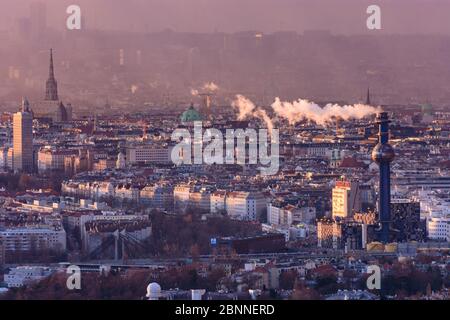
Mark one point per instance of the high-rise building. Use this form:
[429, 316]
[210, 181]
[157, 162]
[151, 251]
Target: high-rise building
[23, 138]
[383, 154]
[368, 97]
[346, 199]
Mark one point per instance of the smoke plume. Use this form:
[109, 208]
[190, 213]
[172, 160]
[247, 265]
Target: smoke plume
[262, 115]
[300, 110]
[244, 106]
[305, 110]
[210, 86]
[248, 109]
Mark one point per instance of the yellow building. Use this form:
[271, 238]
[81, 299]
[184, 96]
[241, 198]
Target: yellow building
[346, 199]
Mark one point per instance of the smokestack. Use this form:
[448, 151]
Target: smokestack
[206, 106]
[368, 97]
[384, 154]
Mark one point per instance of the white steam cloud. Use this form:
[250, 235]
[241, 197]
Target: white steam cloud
[300, 110]
[210, 86]
[305, 110]
[248, 109]
[244, 106]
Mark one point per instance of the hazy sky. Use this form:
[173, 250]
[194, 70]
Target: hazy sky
[338, 16]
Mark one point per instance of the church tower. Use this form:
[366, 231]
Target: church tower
[51, 92]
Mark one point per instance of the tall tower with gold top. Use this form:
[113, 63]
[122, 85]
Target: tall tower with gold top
[384, 154]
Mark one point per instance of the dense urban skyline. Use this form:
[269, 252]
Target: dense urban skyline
[184, 164]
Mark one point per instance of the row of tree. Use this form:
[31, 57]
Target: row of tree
[182, 235]
[114, 286]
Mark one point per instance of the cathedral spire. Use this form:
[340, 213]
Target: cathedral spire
[51, 74]
[51, 92]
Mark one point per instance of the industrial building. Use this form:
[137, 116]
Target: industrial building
[383, 154]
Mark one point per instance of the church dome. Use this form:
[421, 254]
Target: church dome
[191, 115]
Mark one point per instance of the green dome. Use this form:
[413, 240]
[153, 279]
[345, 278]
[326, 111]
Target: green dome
[191, 115]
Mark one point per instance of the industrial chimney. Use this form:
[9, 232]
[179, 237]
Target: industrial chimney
[384, 154]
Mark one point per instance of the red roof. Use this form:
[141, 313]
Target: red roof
[324, 269]
[445, 164]
[352, 163]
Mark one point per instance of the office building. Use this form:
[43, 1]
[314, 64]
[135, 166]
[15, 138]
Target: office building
[23, 139]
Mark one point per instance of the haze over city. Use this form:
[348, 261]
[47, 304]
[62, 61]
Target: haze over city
[294, 49]
[258, 150]
[206, 16]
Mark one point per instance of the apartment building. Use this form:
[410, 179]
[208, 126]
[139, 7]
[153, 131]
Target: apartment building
[148, 153]
[218, 201]
[53, 160]
[246, 205]
[438, 228]
[33, 238]
[159, 196]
